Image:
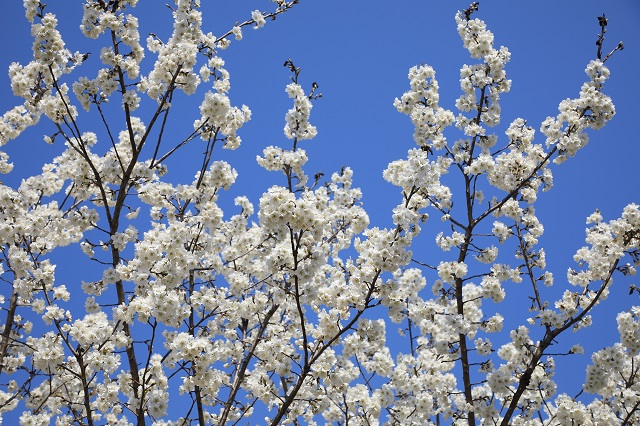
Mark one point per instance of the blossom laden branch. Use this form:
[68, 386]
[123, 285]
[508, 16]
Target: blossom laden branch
[284, 310]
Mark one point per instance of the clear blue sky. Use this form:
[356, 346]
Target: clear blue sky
[359, 53]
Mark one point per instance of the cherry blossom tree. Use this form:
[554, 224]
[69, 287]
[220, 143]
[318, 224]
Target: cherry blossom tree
[281, 312]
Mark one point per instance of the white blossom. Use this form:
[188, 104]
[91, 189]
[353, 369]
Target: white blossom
[291, 305]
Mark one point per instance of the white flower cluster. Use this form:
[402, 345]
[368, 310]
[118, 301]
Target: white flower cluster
[449, 271]
[608, 243]
[418, 174]
[274, 309]
[521, 170]
[288, 161]
[297, 124]
[618, 393]
[258, 17]
[513, 168]
[421, 105]
[219, 116]
[177, 57]
[481, 84]
[35, 82]
[593, 109]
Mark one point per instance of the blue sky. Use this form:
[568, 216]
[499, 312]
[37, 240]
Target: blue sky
[359, 53]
